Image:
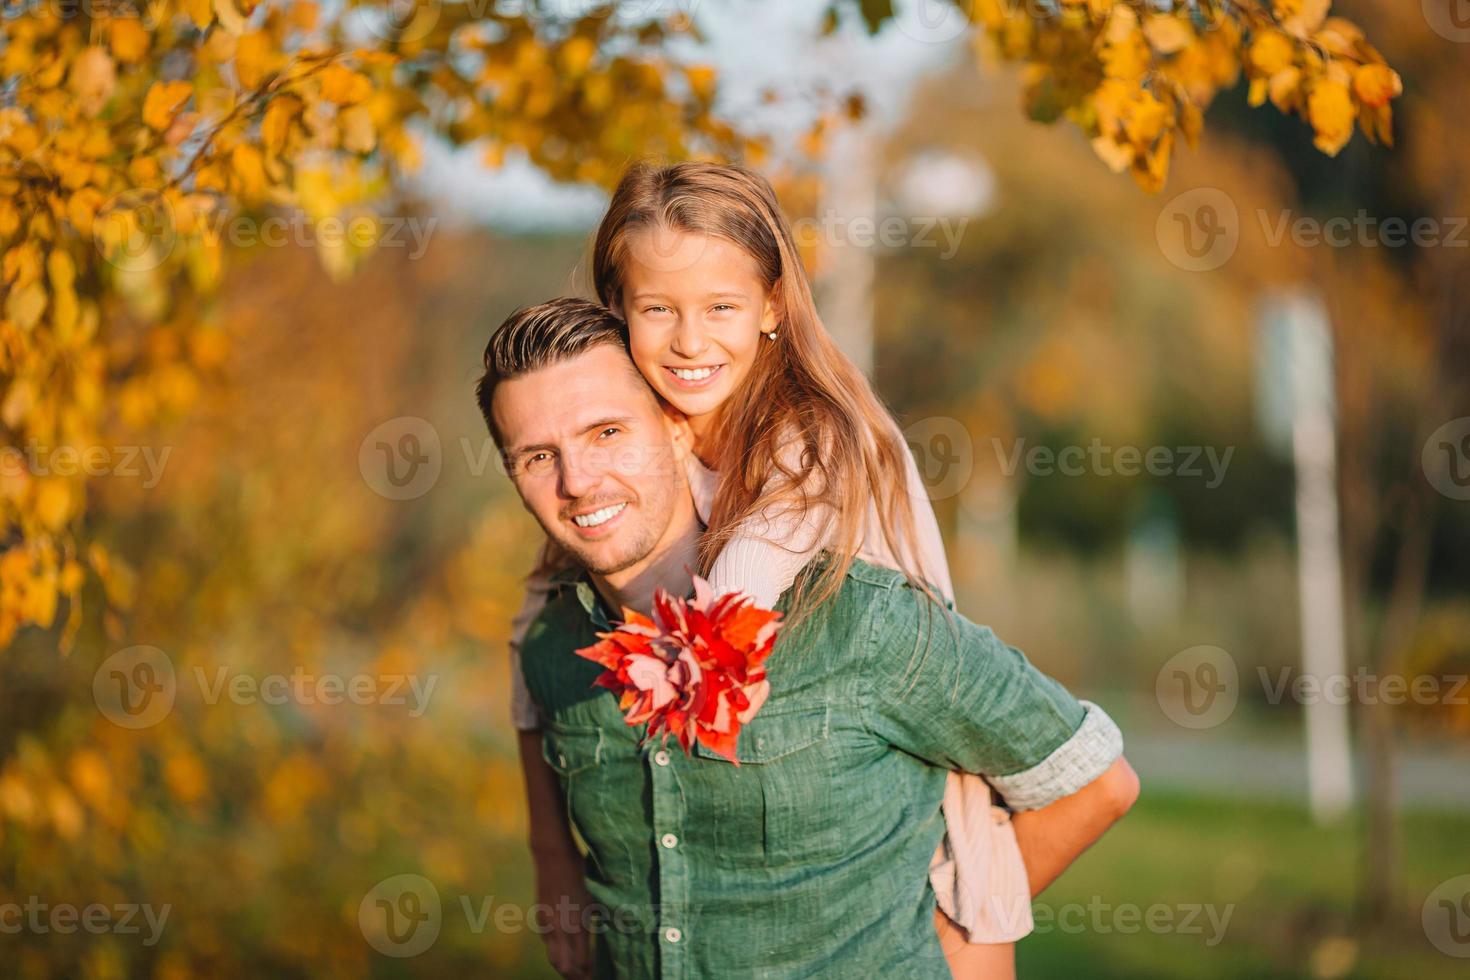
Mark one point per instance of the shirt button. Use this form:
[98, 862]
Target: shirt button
[669, 840]
[661, 757]
[673, 935]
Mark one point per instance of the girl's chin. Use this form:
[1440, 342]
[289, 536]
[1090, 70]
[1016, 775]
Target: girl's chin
[697, 404]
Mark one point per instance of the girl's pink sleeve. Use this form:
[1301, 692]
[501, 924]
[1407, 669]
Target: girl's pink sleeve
[523, 712]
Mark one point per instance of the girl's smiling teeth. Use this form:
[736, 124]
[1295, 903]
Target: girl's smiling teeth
[695, 374]
[598, 517]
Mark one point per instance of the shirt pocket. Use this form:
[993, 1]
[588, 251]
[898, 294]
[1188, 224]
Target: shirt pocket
[573, 752]
[791, 755]
[570, 749]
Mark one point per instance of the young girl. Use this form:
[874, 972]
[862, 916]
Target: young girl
[700, 263]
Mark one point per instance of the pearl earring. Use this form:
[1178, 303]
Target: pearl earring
[771, 335]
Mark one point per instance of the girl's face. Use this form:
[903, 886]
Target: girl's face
[696, 309]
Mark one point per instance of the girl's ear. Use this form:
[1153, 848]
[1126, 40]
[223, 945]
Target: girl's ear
[771, 312]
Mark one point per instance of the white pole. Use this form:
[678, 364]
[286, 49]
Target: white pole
[850, 210]
[1319, 560]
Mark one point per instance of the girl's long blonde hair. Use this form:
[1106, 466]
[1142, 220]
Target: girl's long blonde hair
[800, 383]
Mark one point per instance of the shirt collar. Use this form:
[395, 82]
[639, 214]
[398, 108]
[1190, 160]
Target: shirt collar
[577, 579]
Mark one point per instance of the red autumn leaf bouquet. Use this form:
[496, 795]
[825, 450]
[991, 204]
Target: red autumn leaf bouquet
[696, 670]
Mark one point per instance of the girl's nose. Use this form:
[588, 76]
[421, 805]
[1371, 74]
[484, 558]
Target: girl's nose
[689, 339]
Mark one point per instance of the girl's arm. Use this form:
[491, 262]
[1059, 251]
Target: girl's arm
[523, 712]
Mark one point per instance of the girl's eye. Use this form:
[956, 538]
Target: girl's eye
[655, 309]
[723, 306]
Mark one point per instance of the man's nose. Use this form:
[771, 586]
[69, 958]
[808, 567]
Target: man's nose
[581, 473]
[689, 338]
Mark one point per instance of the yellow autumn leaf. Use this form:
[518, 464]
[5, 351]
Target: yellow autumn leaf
[163, 102]
[92, 79]
[1375, 84]
[702, 79]
[1167, 34]
[249, 170]
[1301, 17]
[25, 304]
[252, 58]
[53, 502]
[575, 56]
[1332, 114]
[344, 86]
[275, 126]
[201, 12]
[358, 133]
[1271, 51]
[61, 269]
[129, 39]
[1118, 156]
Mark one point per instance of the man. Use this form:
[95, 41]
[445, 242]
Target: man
[811, 857]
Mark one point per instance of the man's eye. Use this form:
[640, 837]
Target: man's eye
[609, 432]
[536, 462]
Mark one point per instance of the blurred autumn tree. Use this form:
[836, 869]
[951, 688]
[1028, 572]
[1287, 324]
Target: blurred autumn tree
[128, 130]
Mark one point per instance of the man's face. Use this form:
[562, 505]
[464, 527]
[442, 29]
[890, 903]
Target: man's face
[595, 458]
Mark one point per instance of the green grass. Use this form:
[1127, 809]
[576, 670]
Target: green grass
[1289, 887]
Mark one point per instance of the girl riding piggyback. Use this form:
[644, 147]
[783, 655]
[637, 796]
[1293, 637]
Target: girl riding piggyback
[795, 455]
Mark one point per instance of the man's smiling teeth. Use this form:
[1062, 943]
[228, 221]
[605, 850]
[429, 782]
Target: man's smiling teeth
[598, 516]
[693, 374]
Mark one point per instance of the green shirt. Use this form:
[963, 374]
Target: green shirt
[811, 858]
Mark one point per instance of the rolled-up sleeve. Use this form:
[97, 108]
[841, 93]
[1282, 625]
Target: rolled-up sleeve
[952, 693]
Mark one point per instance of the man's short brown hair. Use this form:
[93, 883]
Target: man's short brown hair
[535, 337]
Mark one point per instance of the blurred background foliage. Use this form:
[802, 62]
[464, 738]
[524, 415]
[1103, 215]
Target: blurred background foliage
[266, 548]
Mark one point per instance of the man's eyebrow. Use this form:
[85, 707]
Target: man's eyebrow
[623, 420]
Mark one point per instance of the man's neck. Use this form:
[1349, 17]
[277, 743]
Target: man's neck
[669, 567]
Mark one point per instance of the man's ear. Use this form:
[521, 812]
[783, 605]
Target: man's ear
[680, 433]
